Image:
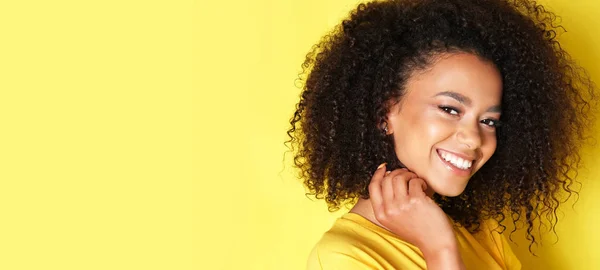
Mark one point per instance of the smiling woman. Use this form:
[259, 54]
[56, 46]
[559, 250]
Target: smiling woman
[444, 128]
[471, 109]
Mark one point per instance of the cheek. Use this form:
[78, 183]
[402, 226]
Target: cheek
[420, 136]
[438, 129]
[435, 130]
[490, 146]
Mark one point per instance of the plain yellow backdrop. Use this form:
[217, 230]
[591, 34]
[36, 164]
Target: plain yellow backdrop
[149, 135]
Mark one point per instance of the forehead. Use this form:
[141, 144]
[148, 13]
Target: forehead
[464, 73]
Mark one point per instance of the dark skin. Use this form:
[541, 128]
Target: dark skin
[399, 204]
[439, 121]
[359, 71]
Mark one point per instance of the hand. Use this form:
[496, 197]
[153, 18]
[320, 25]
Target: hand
[401, 205]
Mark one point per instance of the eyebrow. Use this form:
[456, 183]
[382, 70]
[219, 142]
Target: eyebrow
[465, 100]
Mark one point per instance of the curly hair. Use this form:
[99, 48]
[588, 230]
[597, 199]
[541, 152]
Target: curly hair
[353, 72]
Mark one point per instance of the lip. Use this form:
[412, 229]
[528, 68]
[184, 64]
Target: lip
[463, 156]
[454, 169]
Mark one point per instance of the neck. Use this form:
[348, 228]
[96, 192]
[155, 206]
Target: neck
[364, 208]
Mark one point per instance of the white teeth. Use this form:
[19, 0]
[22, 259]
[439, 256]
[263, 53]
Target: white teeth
[467, 164]
[457, 161]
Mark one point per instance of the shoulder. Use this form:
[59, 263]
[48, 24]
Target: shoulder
[323, 256]
[355, 243]
[497, 235]
[341, 247]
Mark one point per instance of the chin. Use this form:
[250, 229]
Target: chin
[449, 191]
[450, 194]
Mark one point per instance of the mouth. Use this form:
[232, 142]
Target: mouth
[456, 163]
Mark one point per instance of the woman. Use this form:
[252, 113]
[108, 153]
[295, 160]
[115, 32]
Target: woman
[472, 111]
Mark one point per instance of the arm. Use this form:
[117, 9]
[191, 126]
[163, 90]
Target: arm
[446, 259]
[402, 207]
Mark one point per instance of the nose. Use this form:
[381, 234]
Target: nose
[470, 135]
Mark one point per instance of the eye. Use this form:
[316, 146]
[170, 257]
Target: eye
[491, 122]
[449, 110]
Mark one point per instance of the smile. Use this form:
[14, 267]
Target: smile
[454, 162]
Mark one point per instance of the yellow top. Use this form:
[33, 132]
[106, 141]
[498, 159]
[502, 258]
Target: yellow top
[356, 243]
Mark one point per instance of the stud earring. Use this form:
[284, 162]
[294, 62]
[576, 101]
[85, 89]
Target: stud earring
[385, 128]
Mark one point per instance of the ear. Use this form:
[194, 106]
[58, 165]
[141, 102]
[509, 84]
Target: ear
[385, 127]
[391, 119]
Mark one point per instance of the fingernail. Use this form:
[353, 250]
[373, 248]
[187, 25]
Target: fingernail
[382, 165]
[388, 172]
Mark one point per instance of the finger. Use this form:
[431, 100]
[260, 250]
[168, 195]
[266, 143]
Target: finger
[387, 184]
[375, 186]
[417, 187]
[398, 172]
[404, 173]
[400, 183]
[380, 172]
[387, 189]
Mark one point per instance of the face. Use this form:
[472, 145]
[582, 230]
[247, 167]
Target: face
[444, 128]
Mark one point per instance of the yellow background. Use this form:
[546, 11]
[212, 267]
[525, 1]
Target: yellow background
[149, 135]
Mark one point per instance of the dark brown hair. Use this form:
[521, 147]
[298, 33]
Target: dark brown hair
[351, 74]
